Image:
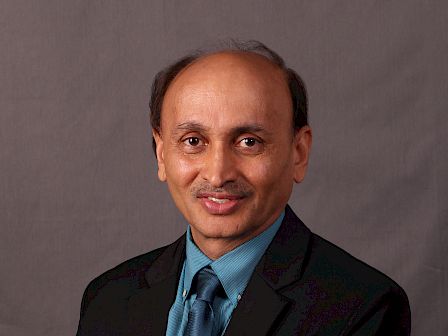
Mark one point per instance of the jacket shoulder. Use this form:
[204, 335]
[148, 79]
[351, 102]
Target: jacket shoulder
[328, 265]
[127, 269]
[333, 292]
[332, 263]
[121, 281]
[355, 291]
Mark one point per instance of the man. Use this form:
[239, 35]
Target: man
[231, 137]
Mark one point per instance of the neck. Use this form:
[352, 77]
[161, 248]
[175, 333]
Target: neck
[216, 248]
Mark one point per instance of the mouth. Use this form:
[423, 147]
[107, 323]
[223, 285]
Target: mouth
[218, 200]
[220, 204]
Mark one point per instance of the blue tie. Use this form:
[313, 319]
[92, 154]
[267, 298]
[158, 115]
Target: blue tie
[200, 317]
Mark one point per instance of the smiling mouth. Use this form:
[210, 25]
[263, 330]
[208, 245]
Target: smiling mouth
[218, 200]
[220, 204]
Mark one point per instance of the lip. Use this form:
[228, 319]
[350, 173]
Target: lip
[220, 204]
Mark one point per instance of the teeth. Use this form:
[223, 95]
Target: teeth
[218, 200]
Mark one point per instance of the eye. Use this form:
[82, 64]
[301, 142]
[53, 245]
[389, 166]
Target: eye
[250, 145]
[192, 144]
[248, 142]
[192, 141]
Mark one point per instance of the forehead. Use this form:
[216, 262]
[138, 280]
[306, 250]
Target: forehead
[224, 83]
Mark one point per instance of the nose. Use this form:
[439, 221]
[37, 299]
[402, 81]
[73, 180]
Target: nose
[219, 166]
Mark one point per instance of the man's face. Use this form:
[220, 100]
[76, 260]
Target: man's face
[227, 148]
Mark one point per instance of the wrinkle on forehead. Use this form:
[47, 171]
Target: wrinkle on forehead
[239, 80]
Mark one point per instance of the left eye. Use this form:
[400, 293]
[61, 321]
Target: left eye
[192, 141]
[248, 142]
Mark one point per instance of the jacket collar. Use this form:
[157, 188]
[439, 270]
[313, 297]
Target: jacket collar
[284, 259]
[263, 306]
[148, 308]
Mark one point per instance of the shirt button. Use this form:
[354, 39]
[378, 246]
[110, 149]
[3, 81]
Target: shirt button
[239, 297]
[184, 293]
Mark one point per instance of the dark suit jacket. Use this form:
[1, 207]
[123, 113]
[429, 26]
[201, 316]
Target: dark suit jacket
[303, 285]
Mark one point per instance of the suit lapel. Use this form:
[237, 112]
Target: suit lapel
[286, 256]
[263, 307]
[258, 311]
[149, 307]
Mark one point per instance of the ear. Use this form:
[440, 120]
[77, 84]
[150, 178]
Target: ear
[302, 148]
[159, 153]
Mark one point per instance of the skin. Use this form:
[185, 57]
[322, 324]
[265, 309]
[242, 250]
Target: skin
[227, 149]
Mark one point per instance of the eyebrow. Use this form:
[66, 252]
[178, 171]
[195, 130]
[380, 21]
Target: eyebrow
[249, 128]
[244, 128]
[191, 126]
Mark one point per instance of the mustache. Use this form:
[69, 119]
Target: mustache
[239, 189]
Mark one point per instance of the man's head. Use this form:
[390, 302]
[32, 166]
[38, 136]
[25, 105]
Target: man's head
[231, 136]
[164, 78]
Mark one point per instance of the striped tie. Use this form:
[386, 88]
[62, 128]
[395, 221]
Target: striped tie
[200, 317]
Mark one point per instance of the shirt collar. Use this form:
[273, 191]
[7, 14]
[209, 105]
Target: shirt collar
[234, 268]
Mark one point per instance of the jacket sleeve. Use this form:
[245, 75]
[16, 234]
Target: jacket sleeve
[388, 315]
[101, 310]
[86, 298]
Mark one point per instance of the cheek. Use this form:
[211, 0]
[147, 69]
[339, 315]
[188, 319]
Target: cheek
[180, 171]
[262, 174]
[270, 173]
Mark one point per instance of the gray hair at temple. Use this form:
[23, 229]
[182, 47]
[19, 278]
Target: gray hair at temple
[165, 77]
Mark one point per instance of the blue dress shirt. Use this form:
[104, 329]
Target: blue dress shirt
[233, 269]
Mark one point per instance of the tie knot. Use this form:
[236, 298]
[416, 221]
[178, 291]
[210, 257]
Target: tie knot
[207, 285]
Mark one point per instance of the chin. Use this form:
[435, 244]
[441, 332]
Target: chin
[235, 225]
[223, 227]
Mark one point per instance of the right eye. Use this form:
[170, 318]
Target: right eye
[193, 144]
[192, 141]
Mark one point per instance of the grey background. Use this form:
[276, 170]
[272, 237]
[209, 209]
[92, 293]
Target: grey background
[78, 185]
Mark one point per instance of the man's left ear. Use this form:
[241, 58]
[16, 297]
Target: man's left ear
[302, 148]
